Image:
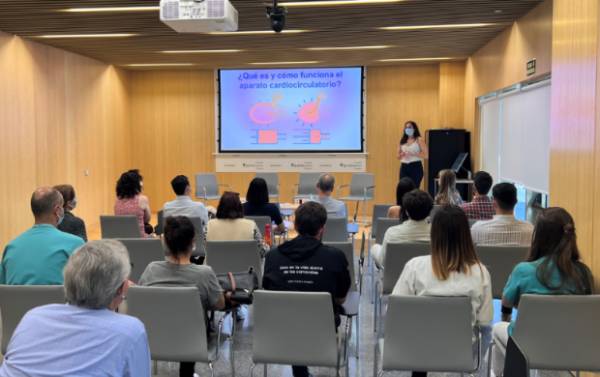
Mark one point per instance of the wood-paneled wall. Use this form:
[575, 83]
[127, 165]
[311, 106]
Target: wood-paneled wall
[172, 119]
[61, 114]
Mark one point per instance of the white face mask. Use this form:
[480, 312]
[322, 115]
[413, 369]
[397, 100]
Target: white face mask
[61, 216]
[409, 131]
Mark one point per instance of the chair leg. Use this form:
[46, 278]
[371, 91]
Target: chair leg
[489, 360]
[265, 370]
[212, 370]
[375, 358]
[357, 324]
[154, 367]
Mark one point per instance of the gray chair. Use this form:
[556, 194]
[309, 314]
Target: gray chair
[234, 256]
[471, 222]
[306, 186]
[379, 211]
[428, 334]
[160, 222]
[362, 189]
[336, 230]
[142, 252]
[559, 332]
[282, 334]
[396, 256]
[200, 237]
[16, 300]
[383, 224]
[173, 317]
[207, 187]
[500, 261]
[261, 222]
[119, 227]
[272, 180]
[352, 304]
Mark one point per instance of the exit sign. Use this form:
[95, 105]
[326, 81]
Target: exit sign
[531, 67]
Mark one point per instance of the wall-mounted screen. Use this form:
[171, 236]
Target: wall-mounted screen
[291, 110]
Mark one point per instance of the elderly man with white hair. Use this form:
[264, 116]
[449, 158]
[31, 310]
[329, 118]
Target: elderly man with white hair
[84, 337]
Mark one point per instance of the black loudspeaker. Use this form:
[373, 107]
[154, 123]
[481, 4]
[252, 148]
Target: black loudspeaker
[444, 146]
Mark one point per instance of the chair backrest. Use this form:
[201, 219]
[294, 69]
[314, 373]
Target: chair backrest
[307, 183]
[436, 207]
[559, 332]
[296, 328]
[260, 221]
[200, 236]
[361, 182]
[500, 261]
[160, 222]
[348, 249]
[174, 321]
[142, 252]
[119, 226]
[233, 256]
[383, 223]
[336, 230]
[206, 185]
[379, 210]
[424, 333]
[471, 222]
[396, 256]
[272, 180]
[16, 300]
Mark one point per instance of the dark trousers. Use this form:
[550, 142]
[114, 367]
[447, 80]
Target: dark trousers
[186, 369]
[299, 371]
[414, 171]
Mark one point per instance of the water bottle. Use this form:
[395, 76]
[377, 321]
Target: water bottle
[267, 238]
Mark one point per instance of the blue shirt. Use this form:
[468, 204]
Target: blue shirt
[37, 256]
[64, 340]
[333, 206]
[524, 280]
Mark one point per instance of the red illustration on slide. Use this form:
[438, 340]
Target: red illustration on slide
[309, 112]
[265, 113]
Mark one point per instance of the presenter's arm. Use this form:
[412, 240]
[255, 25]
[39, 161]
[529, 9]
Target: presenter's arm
[424, 150]
[400, 154]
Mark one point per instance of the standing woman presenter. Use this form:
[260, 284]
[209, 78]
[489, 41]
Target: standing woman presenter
[411, 153]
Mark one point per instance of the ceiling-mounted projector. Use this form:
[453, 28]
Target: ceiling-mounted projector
[199, 16]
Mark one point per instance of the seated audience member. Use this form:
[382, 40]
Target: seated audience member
[143, 199]
[481, 207]
[38, 256]
[452, 269]
[230, 224]
[71, 223]
[417, 204]
[129, 201]
[177, 270]
[85, 336]
[553, 267]
[183, 205]
[306, 250]
[504, 229]
[404, 186]
[447, 193]
[325, 186]
[257, 203]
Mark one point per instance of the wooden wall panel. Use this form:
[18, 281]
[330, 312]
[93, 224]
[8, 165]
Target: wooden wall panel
[452, 94]
[60, 114]
[173, 126]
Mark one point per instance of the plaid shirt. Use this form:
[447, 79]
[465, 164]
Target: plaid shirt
[481, 208]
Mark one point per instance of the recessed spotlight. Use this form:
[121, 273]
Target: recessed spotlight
[498, 11]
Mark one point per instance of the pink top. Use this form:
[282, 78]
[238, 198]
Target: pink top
[131, 206]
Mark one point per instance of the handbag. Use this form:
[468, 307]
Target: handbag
[240, 284]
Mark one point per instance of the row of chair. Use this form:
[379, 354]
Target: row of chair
[422, 333]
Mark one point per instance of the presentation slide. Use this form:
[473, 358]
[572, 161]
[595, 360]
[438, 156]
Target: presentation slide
[291, 110]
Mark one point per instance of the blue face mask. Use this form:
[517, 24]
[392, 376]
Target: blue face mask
[409, 132]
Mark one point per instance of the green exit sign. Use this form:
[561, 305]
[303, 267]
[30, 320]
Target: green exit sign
[531, 67]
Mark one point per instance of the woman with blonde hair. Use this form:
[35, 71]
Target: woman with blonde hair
[447, 193]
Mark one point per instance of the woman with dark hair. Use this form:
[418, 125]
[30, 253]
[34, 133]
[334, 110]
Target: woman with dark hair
[71, 223]
[404, 186]
[176, 270]
[230, 224]
[143, 199]
[129, 202]
[452, 269]
[553, 267]
[447, 193]
[411, 153]
[257, 203]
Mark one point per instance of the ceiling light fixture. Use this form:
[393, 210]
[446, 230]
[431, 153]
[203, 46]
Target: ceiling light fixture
[286, 63]
[258, 32]
[200, 51]
[429, 27]
[381, 47]
[111, 9]
[331, 3]
[65, 36]
[160, 65]
[415, 59]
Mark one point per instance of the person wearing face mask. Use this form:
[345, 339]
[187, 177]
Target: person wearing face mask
[411, 153]
[71, 223]
[38, 256]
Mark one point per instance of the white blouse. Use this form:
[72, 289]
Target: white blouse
[411, 148]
